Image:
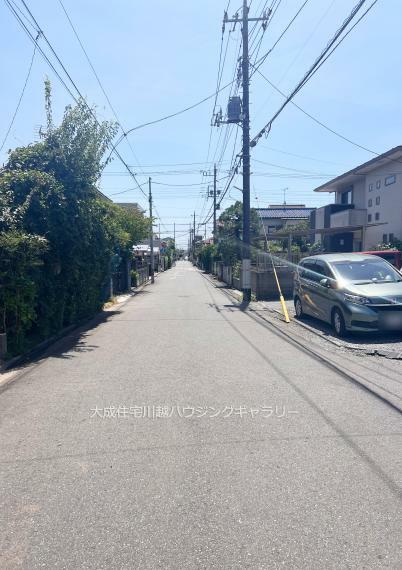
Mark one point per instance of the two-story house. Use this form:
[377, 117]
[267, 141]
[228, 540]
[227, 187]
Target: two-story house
[367, 209]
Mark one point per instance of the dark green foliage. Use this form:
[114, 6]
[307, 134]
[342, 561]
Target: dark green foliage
[48, 189]
[230, 228]
[20, 259]
[207, 255]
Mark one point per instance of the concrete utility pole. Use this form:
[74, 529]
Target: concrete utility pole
[151, 232]
[194, 237]
[159, 257]
[214, 232]
[174, 243]
[246, 262]
[189, 240]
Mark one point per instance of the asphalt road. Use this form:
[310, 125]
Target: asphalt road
[263, 457]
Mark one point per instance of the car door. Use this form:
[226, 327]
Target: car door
[309, 279]
[323, 293]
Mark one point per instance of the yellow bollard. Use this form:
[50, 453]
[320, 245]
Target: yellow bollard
[284, 309]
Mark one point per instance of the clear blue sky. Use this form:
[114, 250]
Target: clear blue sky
[155, 58]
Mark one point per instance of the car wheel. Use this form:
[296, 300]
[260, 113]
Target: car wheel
[298, 308]
[338, 323]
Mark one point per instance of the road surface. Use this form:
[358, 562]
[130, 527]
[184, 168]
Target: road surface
[180, 433]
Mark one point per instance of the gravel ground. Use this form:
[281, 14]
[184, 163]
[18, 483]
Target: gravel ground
[369, 343]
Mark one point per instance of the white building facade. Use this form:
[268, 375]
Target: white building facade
[367, 209]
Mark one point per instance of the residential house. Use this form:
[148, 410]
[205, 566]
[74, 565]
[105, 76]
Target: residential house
[367, 209]
[280, 216]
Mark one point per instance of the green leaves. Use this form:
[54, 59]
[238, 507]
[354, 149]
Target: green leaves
[57, 237]
[230, 229]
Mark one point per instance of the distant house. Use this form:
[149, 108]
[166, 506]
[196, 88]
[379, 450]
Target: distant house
[368, 206]
[131, 206]
[102, 196]
[279, 216]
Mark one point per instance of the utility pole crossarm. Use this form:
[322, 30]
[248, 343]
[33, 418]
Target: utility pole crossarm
[229, 20]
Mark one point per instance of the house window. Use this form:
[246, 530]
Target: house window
[346, 196]
[377, 216]
[370, 203]
[377, 200]
[371, 187]
[390, 180]
[369, 217]
[384, 238]
[378, 184]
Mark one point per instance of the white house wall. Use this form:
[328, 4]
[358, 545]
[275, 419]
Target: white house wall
[390, 207]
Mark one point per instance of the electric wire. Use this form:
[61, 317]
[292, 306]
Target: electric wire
[10, 126]
[307, 76]
[41, 34]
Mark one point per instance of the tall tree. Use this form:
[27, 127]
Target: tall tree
[49, 189]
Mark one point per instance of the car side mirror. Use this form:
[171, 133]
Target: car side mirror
[326, 283]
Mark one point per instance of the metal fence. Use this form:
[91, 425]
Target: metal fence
[263, 261]
[143, 275]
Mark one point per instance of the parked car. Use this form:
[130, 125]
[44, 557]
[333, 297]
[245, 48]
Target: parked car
[394, 256]
[351, 291]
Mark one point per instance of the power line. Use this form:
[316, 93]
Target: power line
[291, 169]
[81, 98]
[97, 77]
[304, 157]
[345, 35]
[19, 100]
[307, 76]
[187, 185]
[166, 117]
[258, 63]
[89, 61]
[336, 133]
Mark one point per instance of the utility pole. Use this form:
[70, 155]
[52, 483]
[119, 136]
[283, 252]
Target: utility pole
[246, 262]
[151, 232]
[194, 237]
[214, 231]
[189, 240]
[159, 257]
[245, 120]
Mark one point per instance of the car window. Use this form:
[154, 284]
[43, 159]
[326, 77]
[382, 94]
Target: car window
[324, 269]
[320, 268]
[367, 271]
[310, 271]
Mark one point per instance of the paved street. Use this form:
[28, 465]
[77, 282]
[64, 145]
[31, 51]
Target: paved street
[228, 447]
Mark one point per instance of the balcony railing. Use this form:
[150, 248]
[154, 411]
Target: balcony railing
[345, 218]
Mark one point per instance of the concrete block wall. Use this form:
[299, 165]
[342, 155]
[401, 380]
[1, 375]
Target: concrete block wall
[264, 287]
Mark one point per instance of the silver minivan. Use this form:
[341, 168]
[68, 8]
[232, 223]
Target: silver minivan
[351, 291]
